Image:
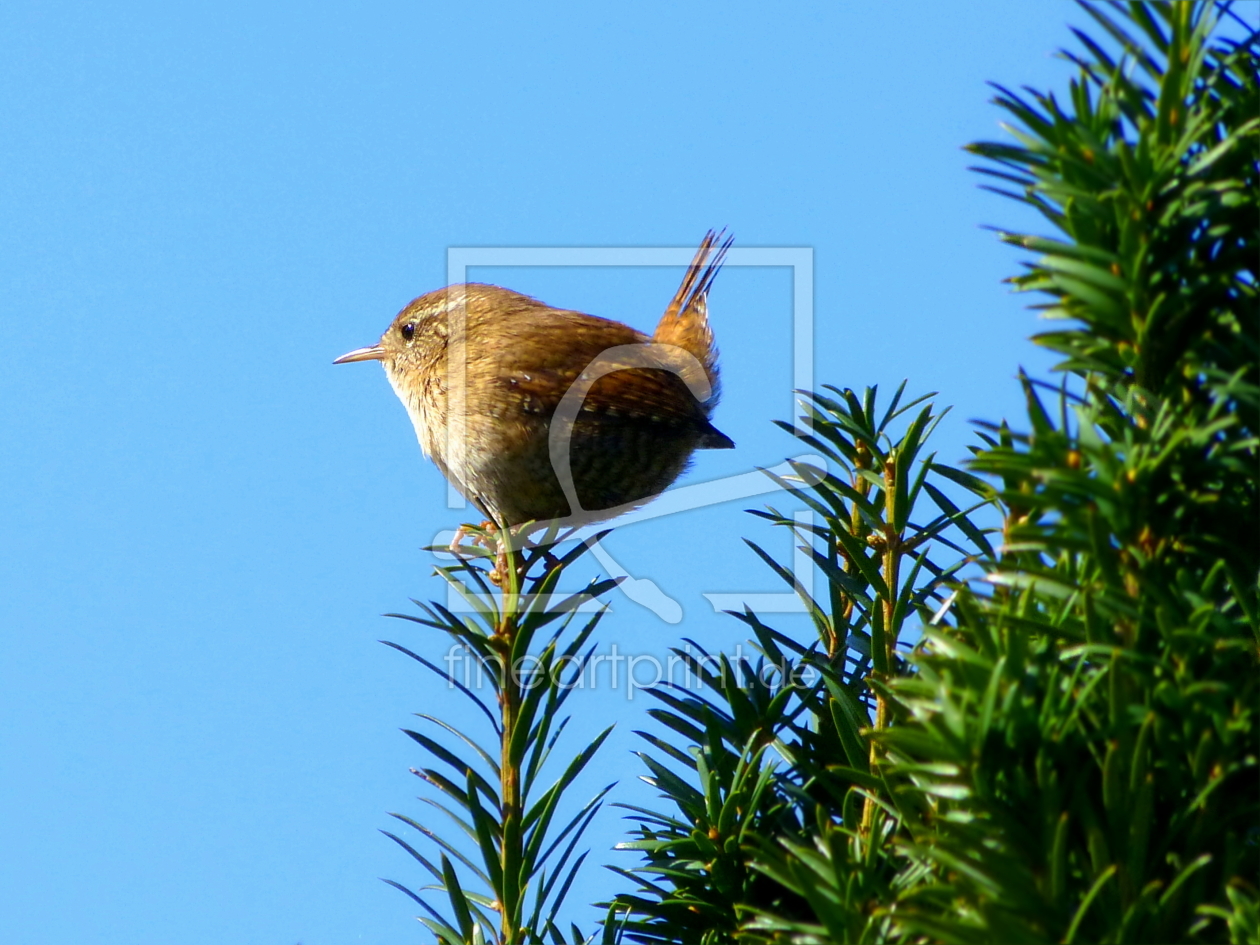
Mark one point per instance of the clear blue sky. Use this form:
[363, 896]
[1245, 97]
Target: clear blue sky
[203, 519]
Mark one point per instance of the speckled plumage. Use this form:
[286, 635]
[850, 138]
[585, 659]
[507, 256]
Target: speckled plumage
[487, 430]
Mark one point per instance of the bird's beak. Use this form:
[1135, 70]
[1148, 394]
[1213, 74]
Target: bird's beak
[374, 353]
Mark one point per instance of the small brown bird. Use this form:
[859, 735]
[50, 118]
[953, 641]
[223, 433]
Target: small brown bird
[500, 386]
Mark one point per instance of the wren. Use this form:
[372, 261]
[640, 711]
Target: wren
[502, 389]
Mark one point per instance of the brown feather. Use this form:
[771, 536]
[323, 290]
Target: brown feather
[686, 320]
[483, 408]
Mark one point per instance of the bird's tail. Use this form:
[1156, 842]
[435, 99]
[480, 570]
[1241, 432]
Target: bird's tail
[686, 321]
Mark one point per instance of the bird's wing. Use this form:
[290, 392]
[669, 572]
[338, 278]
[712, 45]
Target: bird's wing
[562, 345]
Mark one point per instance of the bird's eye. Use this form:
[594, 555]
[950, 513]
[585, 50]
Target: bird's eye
[408, 331]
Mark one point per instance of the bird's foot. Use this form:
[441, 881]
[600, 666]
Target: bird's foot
[482, 535]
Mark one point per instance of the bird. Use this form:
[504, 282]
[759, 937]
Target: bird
[545, 415]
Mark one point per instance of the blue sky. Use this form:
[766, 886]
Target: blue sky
[203, 518]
